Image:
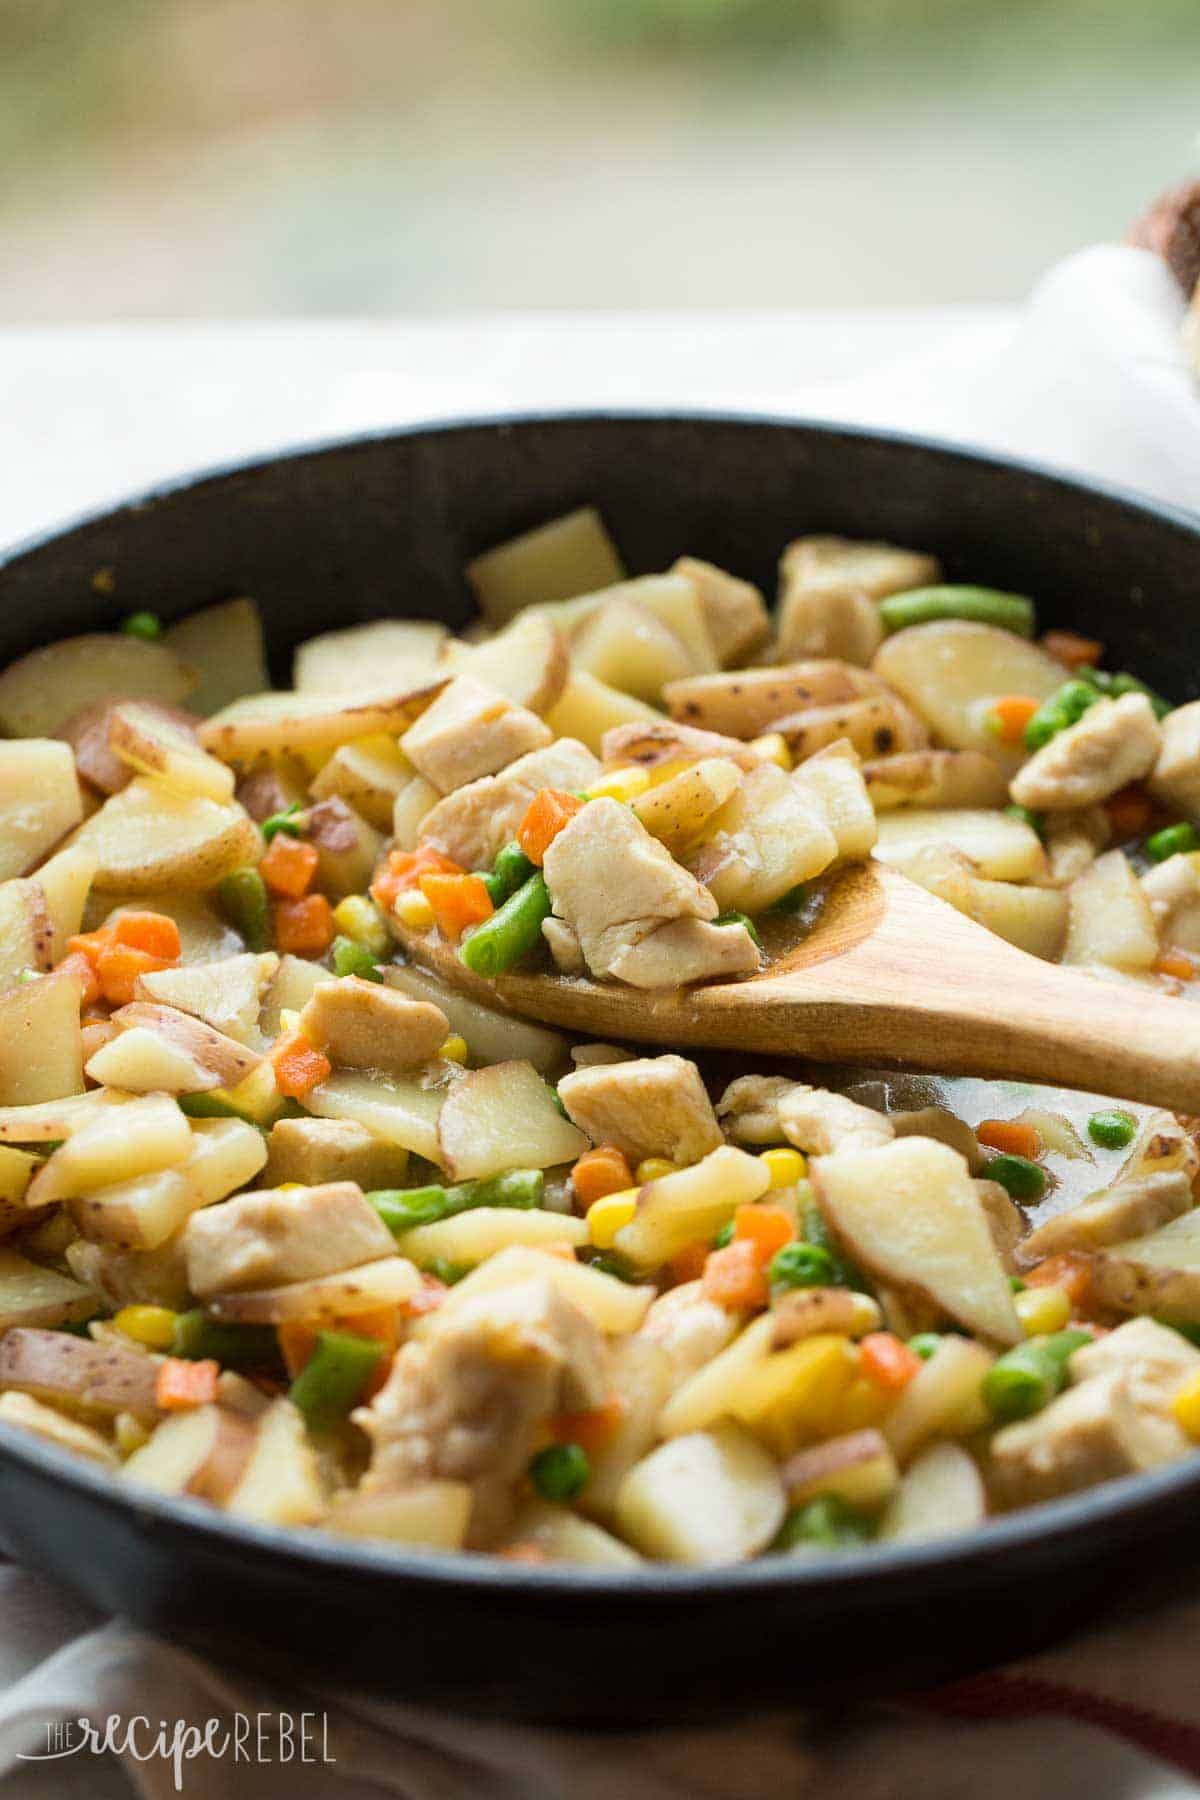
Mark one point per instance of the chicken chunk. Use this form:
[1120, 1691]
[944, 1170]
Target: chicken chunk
[1114, 743]
[269, 1237]
[655, 1106]
[687, 950]
[649, 746]
[564, 947]
[469, 1401]
[749, 1108]
[820, 1122]
[316, 1151]
[1176, 776]
[469, 731]
[1130, 1209]
[1073, 841]
[1092, 1433]
[473, 824]
[829, 588]
[363, 1025]
[1162, 1356]
[690, 1328]
[734, 611]
[615, 884]
[1173, 890]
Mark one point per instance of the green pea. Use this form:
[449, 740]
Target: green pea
[801, 1265]
[742, 919]
[1172, 840]
[1018, 1175]
[1065, 707]
[352, 958]
[826, 1524]
[1112, 1128]
[145, 625]
[560, 1471]
[1016, 1285]
[1027, 1378]
[925, 1343]
[986, 606]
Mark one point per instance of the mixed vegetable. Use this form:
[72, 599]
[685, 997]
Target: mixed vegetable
[293, 1227]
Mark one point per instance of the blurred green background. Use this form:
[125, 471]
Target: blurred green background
[257, 157]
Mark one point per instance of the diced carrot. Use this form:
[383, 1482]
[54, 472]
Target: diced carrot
[524, 1551]
[403, 869]
[152, 932]
[887, 1360]
[458, 901]
[1009, 715]
[299, 1066]
[297, 1341]
[1071, 1271]
[767, 1227]
[547, 813]
[1176, 963]
[1010, 1136]
[90, 943]
[289, 866]
[1069, 648]
[1128, 812]
[735, 1278]
[688, 1264]
[180, 1384]
[604, 1170]
[591, 1430]
[304, 927]
[118, 967]
[84, 970]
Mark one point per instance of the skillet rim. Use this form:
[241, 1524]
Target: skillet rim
[294, 1549]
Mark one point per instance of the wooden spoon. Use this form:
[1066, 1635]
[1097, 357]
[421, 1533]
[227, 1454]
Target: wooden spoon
[889, 973]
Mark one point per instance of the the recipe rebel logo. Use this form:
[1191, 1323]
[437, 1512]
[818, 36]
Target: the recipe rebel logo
[285, 1738]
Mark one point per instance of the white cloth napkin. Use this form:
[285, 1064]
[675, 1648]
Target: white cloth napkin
[1091, 378]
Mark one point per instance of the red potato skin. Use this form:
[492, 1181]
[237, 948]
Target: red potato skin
[831, 1457]
[222, 1465]
[86, 731]
[94, 1377]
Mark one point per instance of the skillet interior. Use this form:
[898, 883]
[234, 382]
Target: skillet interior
[384, 525]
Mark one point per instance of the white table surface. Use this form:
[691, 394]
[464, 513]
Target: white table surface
[89, 414]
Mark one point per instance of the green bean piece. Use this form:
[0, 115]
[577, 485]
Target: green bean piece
[986, 606]
[197, 1338]
[801, 1265]
[1112, 1128]
[1125, 683]
[1016, 1285]
[512, 869]
[560, 1471]
[146, 625]
[442, 1269]
[791, 902]
[516, 1188]
[209, 1106]
[825, 1524]
[1185, 1330]
[925, 1343]
[1066, 706]
[607, 1262]
[724, 1236]
[1027, 1378]
[402, 1209]
[1018, 1175]
[511, 933]
[244, 901]
[495, 888]
[291, 821]
[334, 1376]
[1172, 840]
[742, 919]
[352, 958]
[1036, 821]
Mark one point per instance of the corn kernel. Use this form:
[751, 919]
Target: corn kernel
[607, 1216]
[356, 917]
[785, 1167]
[413, 909]
[865, 1316]
[773, 748]
[287, 1187]
[653, 1168]
[1042, 1309]
[621, 784]
[1186, 1406]
[153, 1326]
[130, 1434]
[455, 1049]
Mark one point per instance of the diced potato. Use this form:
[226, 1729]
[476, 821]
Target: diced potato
[411, 805]
[292, 987]
[16, 1172]
[708, 1498]
[400, 1112]
[640, 1375]
[587, 708]
[115, 1144]
[734, 611]
[527, 661]
[91, 1377]
[1001, 848]
[26, 930]
[31, 1294]
[324, 1299]
[613, 1306]
[945, 1395]
[41, 1047]
[568, 556]
[216, 1060]
[910, 1213]
[430, 1515]
[1159, 1274]
[284, 724]
[932, 778]
[562, 1536]
[42, 689]
[493, 1036]
[360, 656]
[1034, 919]
[858, 1468]
[794, 1393]
[256, 1099]
[66, 881]
[369, 775]
[39, 800]
[953, 672]
[139, 1214]
[471, 1237]
[225, 994]
[625, 646]
[225, 1155]
[940, 1495]
[1110, 920]
[223, 645]
[281, 1483]
[712, 1392]
[347, 847]
[765, 840]
[832, 783]
[1127, 1210]
[146, 837]
[203, 1452]
[150, 744]
[676, 1210]
[55, 1119]
[504, 1117]
[677, 810]
[28, 1414]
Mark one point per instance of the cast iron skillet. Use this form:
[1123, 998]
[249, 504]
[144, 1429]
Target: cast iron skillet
[383, 525]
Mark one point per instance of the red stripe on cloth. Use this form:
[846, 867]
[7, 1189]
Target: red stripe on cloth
[1001, 1697]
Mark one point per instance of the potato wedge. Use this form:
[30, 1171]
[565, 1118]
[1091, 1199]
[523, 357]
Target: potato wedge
[31, 1294]
[615, 1307]
[706, 1498]
[587, 708]
[492, 1035]
[527, 661]
[1110, 920]
[171, 1048]
[41, 1047]
[151, 744]
[369, 775]
[26, 931]
[944, 1396]
[677, 811]
[412, 803]
[941, 1495]
[203, 1452]
[325, 1298]
[361, 656]
[347, 848]
[471, 1237]
[66, 881]
[223, 644]
[429, 1515]
[283, 724]
[1159, 1274]
[832, 783]
[689, 1204]
[39, 801]
[1001, 848]
[281, 1482]
[873, 725]
[935, 778]
[399, 1112]
[570, 555]
[55, 1119]
[734, 610]
[640, 1374]
[563, 1537]
[504, 1117]
[953, 672]
[225, 994]
[146, 837]
[746, 702]
[114, 1143]
[42, 689]
[94, 1378]
[858, 1468]
[1034, 919]
[139, 1214]
[627, 647]
[765, 840]
[28, 1414]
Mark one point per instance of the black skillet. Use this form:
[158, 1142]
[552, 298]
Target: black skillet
[384, 525]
